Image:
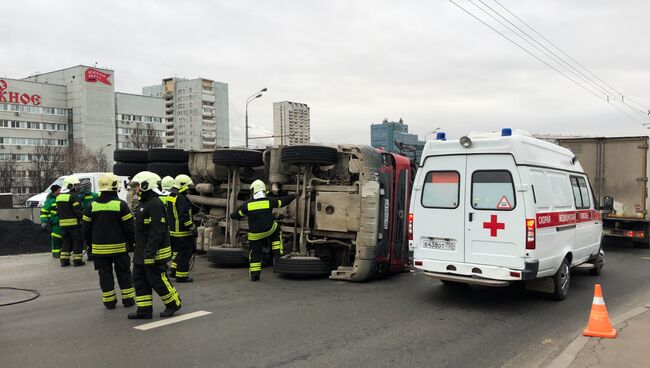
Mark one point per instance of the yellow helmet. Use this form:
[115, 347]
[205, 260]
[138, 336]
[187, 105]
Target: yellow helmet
[182, 181]
[109, 182]
[70, 181]
[147, 180]
[167, 183]
[258, 186]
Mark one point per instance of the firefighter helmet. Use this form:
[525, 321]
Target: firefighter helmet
[167, 183]
[109, 182]
[70, 181]
[182, 181]
[147, 180]
[258, 186]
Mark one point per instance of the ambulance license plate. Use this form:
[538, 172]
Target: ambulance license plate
[440, 244]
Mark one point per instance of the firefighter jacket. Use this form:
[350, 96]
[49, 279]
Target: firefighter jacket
[68, 207]
[87, 198]
[179, 212]
[261, 223]
[108, 225]
[48, 211]
[152, 245]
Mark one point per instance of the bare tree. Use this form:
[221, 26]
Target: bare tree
[80, 158]
[8, 175]
[48, 162]
[145, 137]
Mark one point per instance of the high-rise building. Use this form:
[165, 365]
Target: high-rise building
[388, 134]
[290, 123]
[196, 112]
[139, 121]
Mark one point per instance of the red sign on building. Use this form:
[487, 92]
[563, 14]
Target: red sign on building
[17, 97]
[94, 75]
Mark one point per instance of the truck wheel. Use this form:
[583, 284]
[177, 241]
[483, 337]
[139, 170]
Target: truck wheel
[126, 155]
[562, 281]
[168, 168]
[309, 154]
[230, 257]
[128, 168]
[237, 157]
[168, 155]
[301, 266]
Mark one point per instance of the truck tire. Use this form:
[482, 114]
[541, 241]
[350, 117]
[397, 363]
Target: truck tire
[133, 156]
[168, 155]
[301, 266]
[237, 157]
[168, 168]
[128, 168]
[562, 281]
[309, 154]
[230, 257]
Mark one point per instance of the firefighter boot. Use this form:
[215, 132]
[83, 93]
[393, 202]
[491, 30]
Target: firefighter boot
[255, 277]
[78, 263]
[110, 305]
[128, 302]
[184, 279]
[170, 309]
[65, 263]
[140, 314]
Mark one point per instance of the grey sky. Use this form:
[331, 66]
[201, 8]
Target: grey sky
[353, 62]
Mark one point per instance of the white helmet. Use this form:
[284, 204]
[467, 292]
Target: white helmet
[147, 180]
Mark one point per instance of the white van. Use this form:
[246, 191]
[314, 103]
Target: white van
[495, 208]
[39, 199]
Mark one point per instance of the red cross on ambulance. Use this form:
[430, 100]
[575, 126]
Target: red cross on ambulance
[494, 225]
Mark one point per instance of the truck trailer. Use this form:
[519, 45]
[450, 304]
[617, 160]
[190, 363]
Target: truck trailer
[618, 168]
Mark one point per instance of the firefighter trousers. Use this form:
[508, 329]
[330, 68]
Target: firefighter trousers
[257, 251]
[56, 241]
[72, 248]
[146, 278]
[182, 249]
[122, 265]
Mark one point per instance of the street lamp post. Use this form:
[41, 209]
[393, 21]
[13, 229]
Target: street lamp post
[248, 100]
[102, 161]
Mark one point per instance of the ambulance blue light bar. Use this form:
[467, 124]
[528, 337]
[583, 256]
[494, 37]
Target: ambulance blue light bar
[441, 136]
[506, 132]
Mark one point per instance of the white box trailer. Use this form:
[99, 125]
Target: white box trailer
[618, 167]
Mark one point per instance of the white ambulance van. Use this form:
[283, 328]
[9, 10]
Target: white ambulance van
[92, 177]
[495, 208]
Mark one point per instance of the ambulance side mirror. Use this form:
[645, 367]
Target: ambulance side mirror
[607, 204]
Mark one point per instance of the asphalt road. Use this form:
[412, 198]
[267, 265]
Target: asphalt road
[403, 321]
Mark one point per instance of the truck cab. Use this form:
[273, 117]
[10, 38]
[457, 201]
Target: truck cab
[493, 209]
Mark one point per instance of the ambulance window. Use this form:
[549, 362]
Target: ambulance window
[580, 192]
[540, 185]
[441, 189]
[493, 190]
[561, 192]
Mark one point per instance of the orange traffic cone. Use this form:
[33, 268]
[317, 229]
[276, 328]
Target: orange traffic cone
[599, 325]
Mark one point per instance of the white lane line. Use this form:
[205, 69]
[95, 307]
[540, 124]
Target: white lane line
[169, 321]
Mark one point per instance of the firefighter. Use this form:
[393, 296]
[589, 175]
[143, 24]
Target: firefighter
[50, 220]
[87, 196]
[152, 250]
[166, 184]
[68, 207]
[181, 228]
[108, 228]
[262, 227]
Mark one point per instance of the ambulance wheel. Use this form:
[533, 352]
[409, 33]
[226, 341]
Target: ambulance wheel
[562, 281]
[301, 266]
[309, 154]
[237, 157]
[229, 257]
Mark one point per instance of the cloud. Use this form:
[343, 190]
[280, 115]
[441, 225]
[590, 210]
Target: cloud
[354, 63]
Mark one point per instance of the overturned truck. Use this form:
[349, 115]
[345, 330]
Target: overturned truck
[349, 219]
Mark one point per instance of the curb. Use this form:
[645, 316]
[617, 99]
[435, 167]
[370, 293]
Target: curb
[569, 354]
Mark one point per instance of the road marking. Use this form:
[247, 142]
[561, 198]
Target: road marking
[169, 321]
[646, 258]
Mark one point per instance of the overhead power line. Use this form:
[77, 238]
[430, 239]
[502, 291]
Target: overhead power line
[544, 62]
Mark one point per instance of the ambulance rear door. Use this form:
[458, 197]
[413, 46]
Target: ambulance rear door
[496, 217]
